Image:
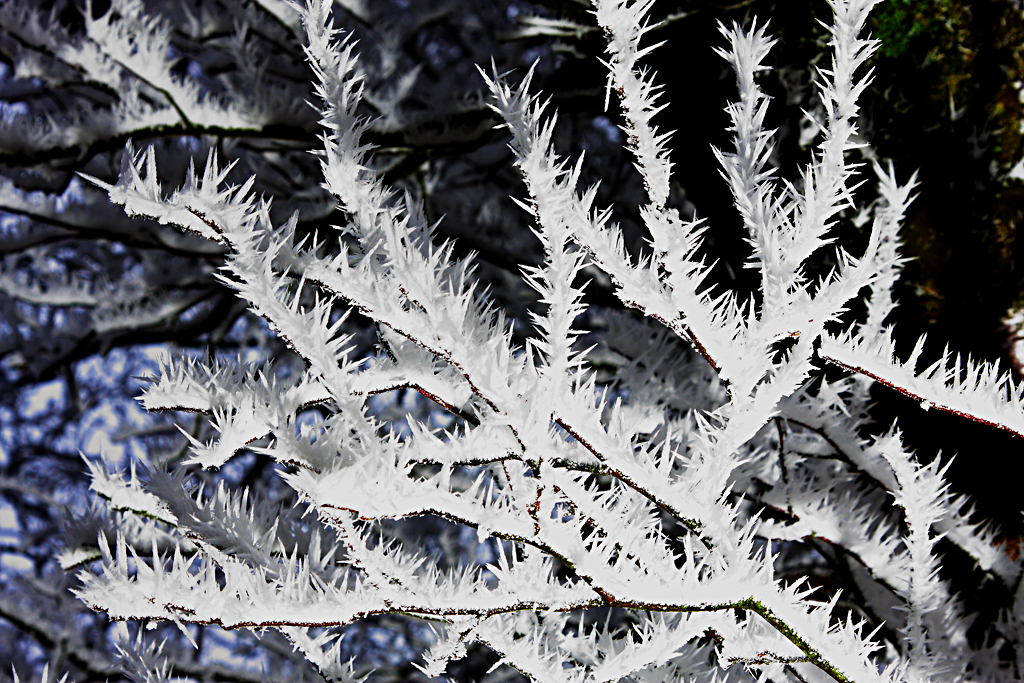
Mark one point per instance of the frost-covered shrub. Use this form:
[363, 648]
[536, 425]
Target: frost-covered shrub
[641, 484]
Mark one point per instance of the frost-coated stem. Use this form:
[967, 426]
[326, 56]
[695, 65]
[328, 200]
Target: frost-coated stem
[625, 24]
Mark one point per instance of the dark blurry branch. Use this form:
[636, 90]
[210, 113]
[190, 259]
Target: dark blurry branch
[64, 230]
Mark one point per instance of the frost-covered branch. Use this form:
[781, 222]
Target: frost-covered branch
[652, 465]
